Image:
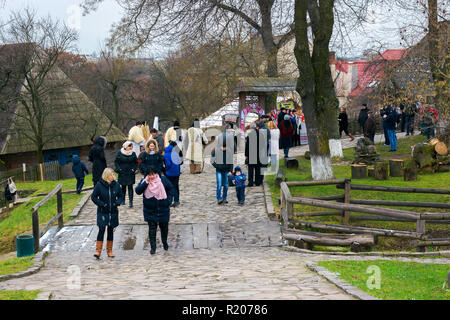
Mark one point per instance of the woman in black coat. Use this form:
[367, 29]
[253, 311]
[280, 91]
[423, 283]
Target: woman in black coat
[107, 195]
[126, 165]
[152, 158]
[157, 194]
[97, 157]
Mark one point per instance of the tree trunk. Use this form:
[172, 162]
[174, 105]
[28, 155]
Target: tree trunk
[381, 170]
[359, 171]
[307, 86]
[396, 168]
[438, 56]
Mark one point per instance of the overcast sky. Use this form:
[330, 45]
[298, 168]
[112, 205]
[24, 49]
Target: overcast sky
[93, 28]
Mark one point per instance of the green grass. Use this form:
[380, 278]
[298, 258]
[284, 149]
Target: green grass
[19, 220]
[342, 170]
[13, 265]
[18, 294]
[47, 186]
[399, 280]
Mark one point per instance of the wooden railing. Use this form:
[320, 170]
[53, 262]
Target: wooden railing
[37, 234]
[287, 210]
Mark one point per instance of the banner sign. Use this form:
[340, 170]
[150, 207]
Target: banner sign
[244, 112]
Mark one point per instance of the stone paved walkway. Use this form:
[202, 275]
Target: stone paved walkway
[216, 252]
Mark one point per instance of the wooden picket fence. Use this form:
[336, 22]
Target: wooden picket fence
[51, 171]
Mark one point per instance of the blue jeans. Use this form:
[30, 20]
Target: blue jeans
[240, 193]
[392, 139]
[286, 152]
[222, 181]
[80, 183]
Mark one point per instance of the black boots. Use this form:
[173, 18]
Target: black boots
[130, 203]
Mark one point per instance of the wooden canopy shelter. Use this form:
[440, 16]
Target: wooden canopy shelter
[260, 87]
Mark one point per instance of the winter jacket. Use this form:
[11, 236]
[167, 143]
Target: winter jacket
[155, 161]
[369, 128]
[285, 135]
[107, 196]
[257, 147]
[343, 121]
[97, 157]
[172, 161]
[239, 181]
[78, 167]
[391, 119]
[156, 210]
[160, 140]
[224, 163]
[126, 167]
[363, 117]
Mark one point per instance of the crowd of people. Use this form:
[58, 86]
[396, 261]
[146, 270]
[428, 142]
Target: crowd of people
[404, 118]
[159, 158]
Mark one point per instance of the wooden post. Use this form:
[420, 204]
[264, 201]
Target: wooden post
[290, 210]
[396, 168]
[359, 171]
[42, 172]
[35, 221]
[381, 170]
[370, 172]
[60, 209]
[347, 186]
[420, 228]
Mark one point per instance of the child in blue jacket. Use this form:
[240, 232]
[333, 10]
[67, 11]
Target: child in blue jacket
[239, 180]
[79, 168]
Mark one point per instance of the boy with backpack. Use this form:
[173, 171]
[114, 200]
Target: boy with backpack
[239, 178]
[78, 169]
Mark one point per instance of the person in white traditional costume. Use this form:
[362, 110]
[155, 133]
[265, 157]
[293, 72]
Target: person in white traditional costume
[136, 136]
[194, 141]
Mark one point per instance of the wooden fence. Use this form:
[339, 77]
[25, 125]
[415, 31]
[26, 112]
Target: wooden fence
[37, 234]
[365, 206]
[51, 171]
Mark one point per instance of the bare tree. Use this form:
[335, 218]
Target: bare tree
[37, 44]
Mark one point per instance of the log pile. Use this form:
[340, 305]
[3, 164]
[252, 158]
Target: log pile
[365, 152]
[432, 156]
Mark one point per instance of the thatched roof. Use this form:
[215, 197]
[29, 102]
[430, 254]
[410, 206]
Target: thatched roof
[72, 121]
[265, 84]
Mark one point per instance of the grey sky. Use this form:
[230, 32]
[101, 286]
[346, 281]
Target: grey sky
[93, 28]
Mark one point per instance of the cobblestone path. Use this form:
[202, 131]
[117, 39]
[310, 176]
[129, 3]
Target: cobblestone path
[216, 252]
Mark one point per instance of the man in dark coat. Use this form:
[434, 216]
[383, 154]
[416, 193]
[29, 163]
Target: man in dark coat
[263, 139]
[251, 154]
[126, 164]
[370, 127]
[222, 157]
[79, 169]
[363, 116]
[343, 124]
[97, 157]
[156, 211]
[107, 195]
[280, 116]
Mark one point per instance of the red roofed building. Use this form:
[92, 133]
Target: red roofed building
[355, 78]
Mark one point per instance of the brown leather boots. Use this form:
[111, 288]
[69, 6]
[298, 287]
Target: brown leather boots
[99, 246]
[98, 249]
[109, 245]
